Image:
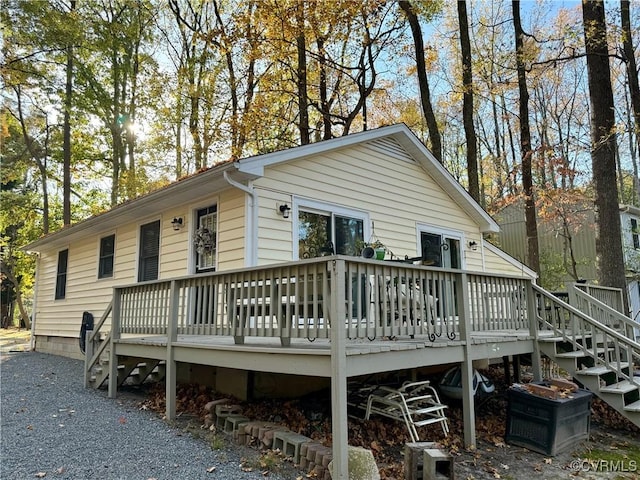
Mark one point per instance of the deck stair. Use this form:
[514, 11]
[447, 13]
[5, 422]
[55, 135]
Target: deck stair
[131, 370]
[602, 358]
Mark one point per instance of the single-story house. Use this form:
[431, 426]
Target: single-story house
[380, 184]
[264, 266]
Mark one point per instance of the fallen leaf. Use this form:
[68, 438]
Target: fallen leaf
[41, 474]
[548, 461]
[122, 420]
[211, 469]
[505, 467]
[60, 470]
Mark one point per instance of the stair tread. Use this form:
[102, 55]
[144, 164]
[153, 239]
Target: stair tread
[574, 354]
[621, 387]
[633, 407]
[600, 370]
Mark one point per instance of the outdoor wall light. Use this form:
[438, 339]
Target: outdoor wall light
[177, 223]
[473, 245]
[284, 209]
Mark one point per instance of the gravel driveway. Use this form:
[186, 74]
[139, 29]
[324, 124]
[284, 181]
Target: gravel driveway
[54, 428]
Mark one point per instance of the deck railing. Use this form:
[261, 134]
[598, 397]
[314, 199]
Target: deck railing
[604, 345]
[297, 300]
[592, 302]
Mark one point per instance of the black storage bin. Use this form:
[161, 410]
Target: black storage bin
[544, 425]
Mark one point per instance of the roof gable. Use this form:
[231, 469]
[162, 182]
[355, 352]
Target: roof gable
[397, 140]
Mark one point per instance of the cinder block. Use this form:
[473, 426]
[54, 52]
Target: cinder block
[289, 443]
[438, 464]
[233, 422]
[414, 459]
[224, 411]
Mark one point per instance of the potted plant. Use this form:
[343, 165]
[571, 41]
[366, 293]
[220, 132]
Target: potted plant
[372, 249]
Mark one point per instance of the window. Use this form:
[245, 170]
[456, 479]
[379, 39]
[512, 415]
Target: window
[635, 234]
[206, 234]
[149, 258]
[107, 251]
[61, 277]
[325, 232]
[440, 249]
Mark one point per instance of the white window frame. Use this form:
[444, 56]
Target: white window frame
[332, 209]
[445, 232]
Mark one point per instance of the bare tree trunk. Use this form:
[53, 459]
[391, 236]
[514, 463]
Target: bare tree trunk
[423, 81]
[531, 225]
[66, 135]
[632, 69]
[467, 103]
[609, 255]
[301, 73]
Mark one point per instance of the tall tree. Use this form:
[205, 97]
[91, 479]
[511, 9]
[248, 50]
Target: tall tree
[609, 254]
[533, 254]
[423, 80]
[68, 103]
[467, 102]
[632, 73]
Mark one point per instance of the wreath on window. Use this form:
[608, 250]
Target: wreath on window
[203, 240]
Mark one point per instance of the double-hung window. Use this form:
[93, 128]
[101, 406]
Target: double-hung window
[61, 274]
[149, 255]
[107, 252]
[324, 229]
[635, 234]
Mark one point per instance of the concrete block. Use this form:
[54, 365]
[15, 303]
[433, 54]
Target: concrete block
[232, 422]
[438, 464]
[414, 459]
[289, 443]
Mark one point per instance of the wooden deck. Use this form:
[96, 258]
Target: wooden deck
[342, 317]
[363, 357]
[334, 317]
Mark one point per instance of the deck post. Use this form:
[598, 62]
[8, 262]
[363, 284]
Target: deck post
[339, 420]
[172, 337]
[532, 313]
[114, 337]
[468, 407]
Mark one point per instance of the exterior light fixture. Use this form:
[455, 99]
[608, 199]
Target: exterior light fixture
[473, 245]
[284, 209]
[177, 223]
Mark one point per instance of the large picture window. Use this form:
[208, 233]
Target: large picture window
[107, 252]
[328, 232]
[61, 276]
[149, 257]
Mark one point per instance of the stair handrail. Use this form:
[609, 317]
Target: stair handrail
[92, 358]
[622, 343]
[629, 324]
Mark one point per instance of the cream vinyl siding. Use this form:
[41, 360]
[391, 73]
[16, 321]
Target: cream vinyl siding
[379, 178]
[232, 210]
[495, 263]
[84, 292]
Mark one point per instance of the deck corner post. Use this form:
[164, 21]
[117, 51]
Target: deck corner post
[113, 338]
[172, 337]
[339, 420]
[468, 406]
[536, 361]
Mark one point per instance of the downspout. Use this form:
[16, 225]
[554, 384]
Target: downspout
[250, 243]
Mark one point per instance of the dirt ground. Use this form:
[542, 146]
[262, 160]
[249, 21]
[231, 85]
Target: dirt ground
[612, 450]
